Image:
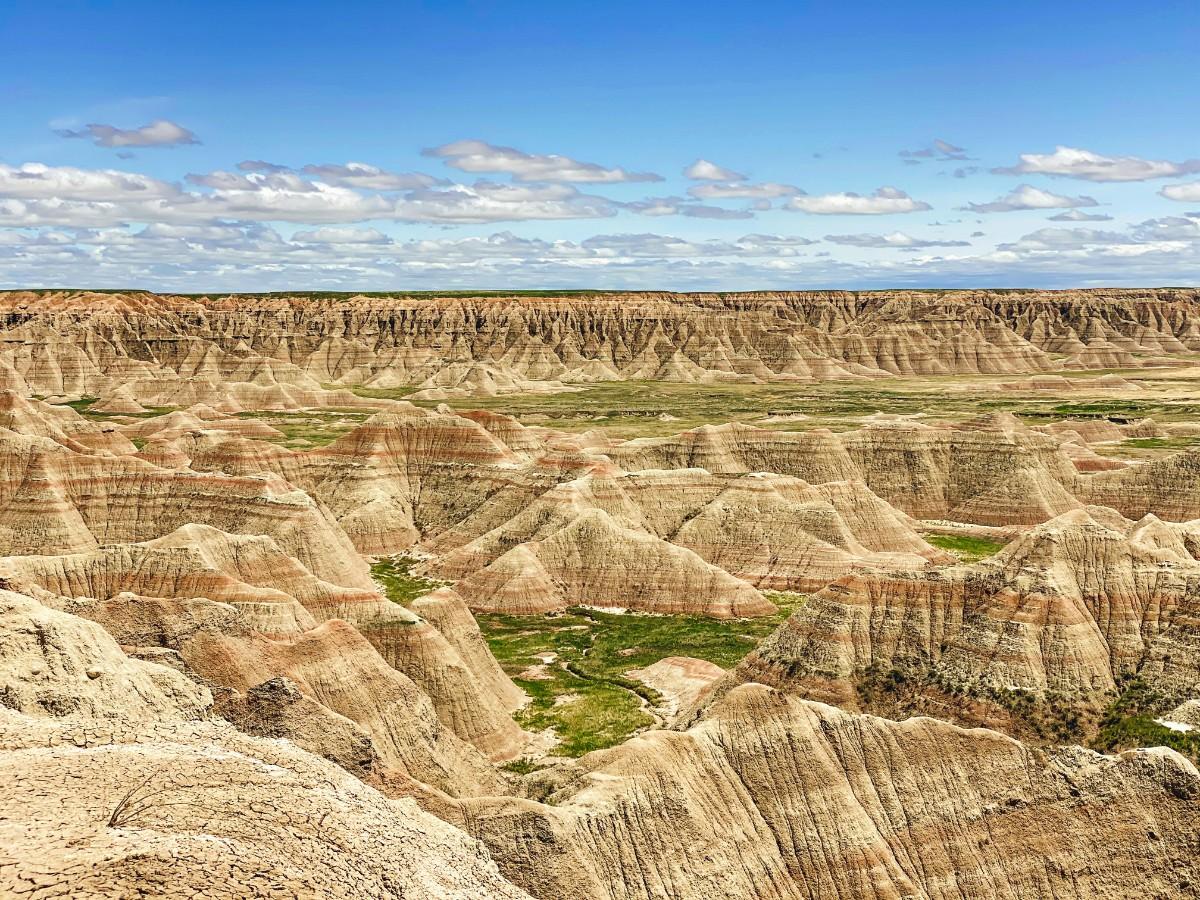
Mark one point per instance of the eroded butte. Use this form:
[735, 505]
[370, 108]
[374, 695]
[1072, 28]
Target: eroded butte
[601, 597]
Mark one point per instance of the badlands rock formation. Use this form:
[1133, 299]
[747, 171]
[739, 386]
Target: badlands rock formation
[1064, 614]
[772, 797]
[115, 785]
[203, 690]
[98, 342]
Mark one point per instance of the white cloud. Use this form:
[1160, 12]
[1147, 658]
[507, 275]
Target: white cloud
[341, 236]
[897, 239]
[1060, 238]
[767, 244]
[656, 206]
[680, 206]
[480, 157]
[701, 211]
[159, 133]
[368, 177]
[884, 201]
[1170, 228]
[1072, 162]
[1075, 215]
[38, 181]
[765, 191]
[1026, 196]
[255, 181]
[253, 256]
[261, 165]
[1188, 193]
[487, 201]
[703, 170]
[35, 194]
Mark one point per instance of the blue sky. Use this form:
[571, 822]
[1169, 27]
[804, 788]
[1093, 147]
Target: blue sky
[553, 145]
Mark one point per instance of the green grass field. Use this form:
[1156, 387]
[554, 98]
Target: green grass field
[310, 428]
[400, 585]
[584, 693]
[645, 408]
[1129, 722]
[967, 548]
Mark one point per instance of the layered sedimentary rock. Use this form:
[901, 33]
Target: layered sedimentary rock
[85, 524]
[775, 532]
[54, 664]
[332, 666]
[492, 343]
[275, 591]
[54, 500]
[187, 610]
[773, 797]
[764, 796]
[114, 785]
[398, 479]
[1064, 614]
[595, 561]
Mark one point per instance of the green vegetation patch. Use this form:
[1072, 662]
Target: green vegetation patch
[967, 548]
[400, 585]
[309, 429]
[575, 665]
[630, 409]
[523, 766]
[1129, 722]
[83, 406]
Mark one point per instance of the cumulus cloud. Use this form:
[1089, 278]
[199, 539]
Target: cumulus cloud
[254, 181]
[681, 206]
[60, 183]
[655, 206]
[884, 201]
[1062, 238]
[703, 170]
[701, 211]
[159, 133]
[261, 165]
[1076, 215]
[897, 239]
[939, 149]
[335, 235]
[1026, 196]
[368, 177]
[1169, 228]
[731, 191]
[35, 194]
[252, 256]
[769, 244]
[482, 157]
[1188, 193]
[1072, 162]
[485, 202]
[649, 245]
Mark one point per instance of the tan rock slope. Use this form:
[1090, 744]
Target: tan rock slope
[765, 796]
[488, 344]
[1062, 615]
[773, 797]
[204, 692]
[116, 786]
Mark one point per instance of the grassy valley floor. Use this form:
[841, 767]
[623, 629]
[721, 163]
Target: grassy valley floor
[574, 665]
